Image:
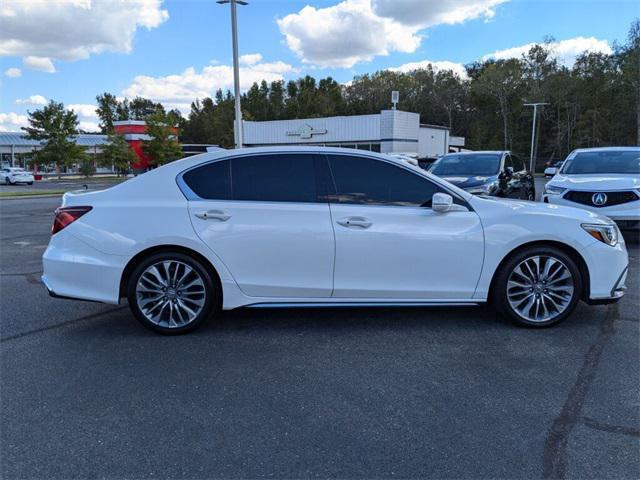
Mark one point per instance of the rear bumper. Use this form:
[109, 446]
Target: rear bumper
[74, 270]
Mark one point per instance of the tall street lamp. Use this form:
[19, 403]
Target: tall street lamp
[533, 130]
[236, 70]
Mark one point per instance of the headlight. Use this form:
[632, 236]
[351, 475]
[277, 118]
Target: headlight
[553, 190]
[605, 233]
[481, 189]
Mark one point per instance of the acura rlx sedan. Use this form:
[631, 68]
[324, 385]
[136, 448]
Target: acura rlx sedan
[500, 174]
[313, 226]
[602, 180]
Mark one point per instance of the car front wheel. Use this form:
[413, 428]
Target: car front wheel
[172, 293]
[537, 287]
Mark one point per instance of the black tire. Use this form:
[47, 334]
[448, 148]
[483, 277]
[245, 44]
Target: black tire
[7, 181]
[211, 303]
[29, 183]
[531, 195]
[499, 297]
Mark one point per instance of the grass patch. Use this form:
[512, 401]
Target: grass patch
[35, 193]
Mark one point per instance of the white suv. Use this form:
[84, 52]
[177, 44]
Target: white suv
[602, 180]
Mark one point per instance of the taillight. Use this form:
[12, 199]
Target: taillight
[64, 216]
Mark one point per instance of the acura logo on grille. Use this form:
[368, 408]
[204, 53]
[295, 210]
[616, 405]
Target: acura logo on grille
[599, 199]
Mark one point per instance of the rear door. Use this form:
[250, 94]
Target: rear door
[262, 216]
[390, 244]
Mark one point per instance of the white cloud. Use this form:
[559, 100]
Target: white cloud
[178, 91]
[13, 72]
[43, 64]
[358, 30]
[565, 51]
[32, 100]
[11, 122]
[83, 110]
[74, 29]
[250, 59]
[88, 126]
[437, 66]
[429, 13]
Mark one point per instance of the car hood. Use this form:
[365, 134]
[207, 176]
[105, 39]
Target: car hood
[602, 182]
[463, 181]
[524, 208]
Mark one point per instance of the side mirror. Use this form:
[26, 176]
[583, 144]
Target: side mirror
[441, 202]
[506, 174]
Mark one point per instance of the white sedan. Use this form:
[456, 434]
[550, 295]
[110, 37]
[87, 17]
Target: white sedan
[313, 226]
[13, 175]
[602, 180]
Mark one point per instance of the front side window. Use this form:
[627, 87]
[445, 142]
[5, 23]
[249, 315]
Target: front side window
[606, 161]
[473, 164]
[367, 181]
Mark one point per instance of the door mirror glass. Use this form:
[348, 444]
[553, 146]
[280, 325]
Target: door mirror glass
[441, 202]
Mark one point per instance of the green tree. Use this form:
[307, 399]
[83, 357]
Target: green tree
[107, 111]
[55, 128]
[117, 153]
[163, 147]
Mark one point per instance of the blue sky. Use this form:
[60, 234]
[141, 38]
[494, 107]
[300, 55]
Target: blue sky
[176, 50]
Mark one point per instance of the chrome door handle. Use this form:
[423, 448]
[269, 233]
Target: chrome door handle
[213, 215]
[360, 222]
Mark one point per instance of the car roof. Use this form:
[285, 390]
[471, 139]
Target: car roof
[495, 152]
[605, 149]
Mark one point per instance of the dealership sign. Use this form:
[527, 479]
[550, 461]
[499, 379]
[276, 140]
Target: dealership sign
[307, 131]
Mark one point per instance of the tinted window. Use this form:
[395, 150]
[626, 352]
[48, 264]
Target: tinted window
[211, 181]
[467, 164]
[274, 178]
[518, 164]
[508, 162]
[612, 161]
[374, 182]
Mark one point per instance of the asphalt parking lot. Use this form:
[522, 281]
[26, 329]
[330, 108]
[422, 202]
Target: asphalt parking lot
[86, 391]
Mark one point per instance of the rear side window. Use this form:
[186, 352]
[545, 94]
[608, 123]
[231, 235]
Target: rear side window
[274, 178]
[211, 181]
[265, 178]
[360, 180]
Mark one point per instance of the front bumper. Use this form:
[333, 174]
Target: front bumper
[625, 212]
[608, 267]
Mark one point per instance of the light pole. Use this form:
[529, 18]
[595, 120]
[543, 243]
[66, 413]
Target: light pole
[533, 130]
[236, 70]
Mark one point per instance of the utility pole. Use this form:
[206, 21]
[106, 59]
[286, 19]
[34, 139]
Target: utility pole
[236, 69]
[533, 131]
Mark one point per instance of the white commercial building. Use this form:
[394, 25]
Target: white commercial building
[390, 131]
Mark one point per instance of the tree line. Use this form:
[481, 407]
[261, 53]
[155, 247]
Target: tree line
[594, 102]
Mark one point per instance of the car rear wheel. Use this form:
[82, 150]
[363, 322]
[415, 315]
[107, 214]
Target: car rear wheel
[172, 293]
[537, 287]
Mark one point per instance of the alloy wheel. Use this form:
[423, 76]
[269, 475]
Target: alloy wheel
[540, 288]
[170, 294]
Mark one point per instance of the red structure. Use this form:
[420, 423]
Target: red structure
[135, 132]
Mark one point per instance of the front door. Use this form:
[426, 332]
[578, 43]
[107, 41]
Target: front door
[390, 244]
[261, 216]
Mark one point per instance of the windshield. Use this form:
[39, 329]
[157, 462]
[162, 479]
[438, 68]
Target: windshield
[468, 164]
[607, 161]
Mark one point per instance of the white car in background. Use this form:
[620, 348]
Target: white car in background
[602, 180]
[13, 175]
[553, 169]
[314, 226]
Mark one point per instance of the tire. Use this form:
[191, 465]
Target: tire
[29, 183]
[518, 285]
[172, 311]
[7, 181]
[531, 196]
